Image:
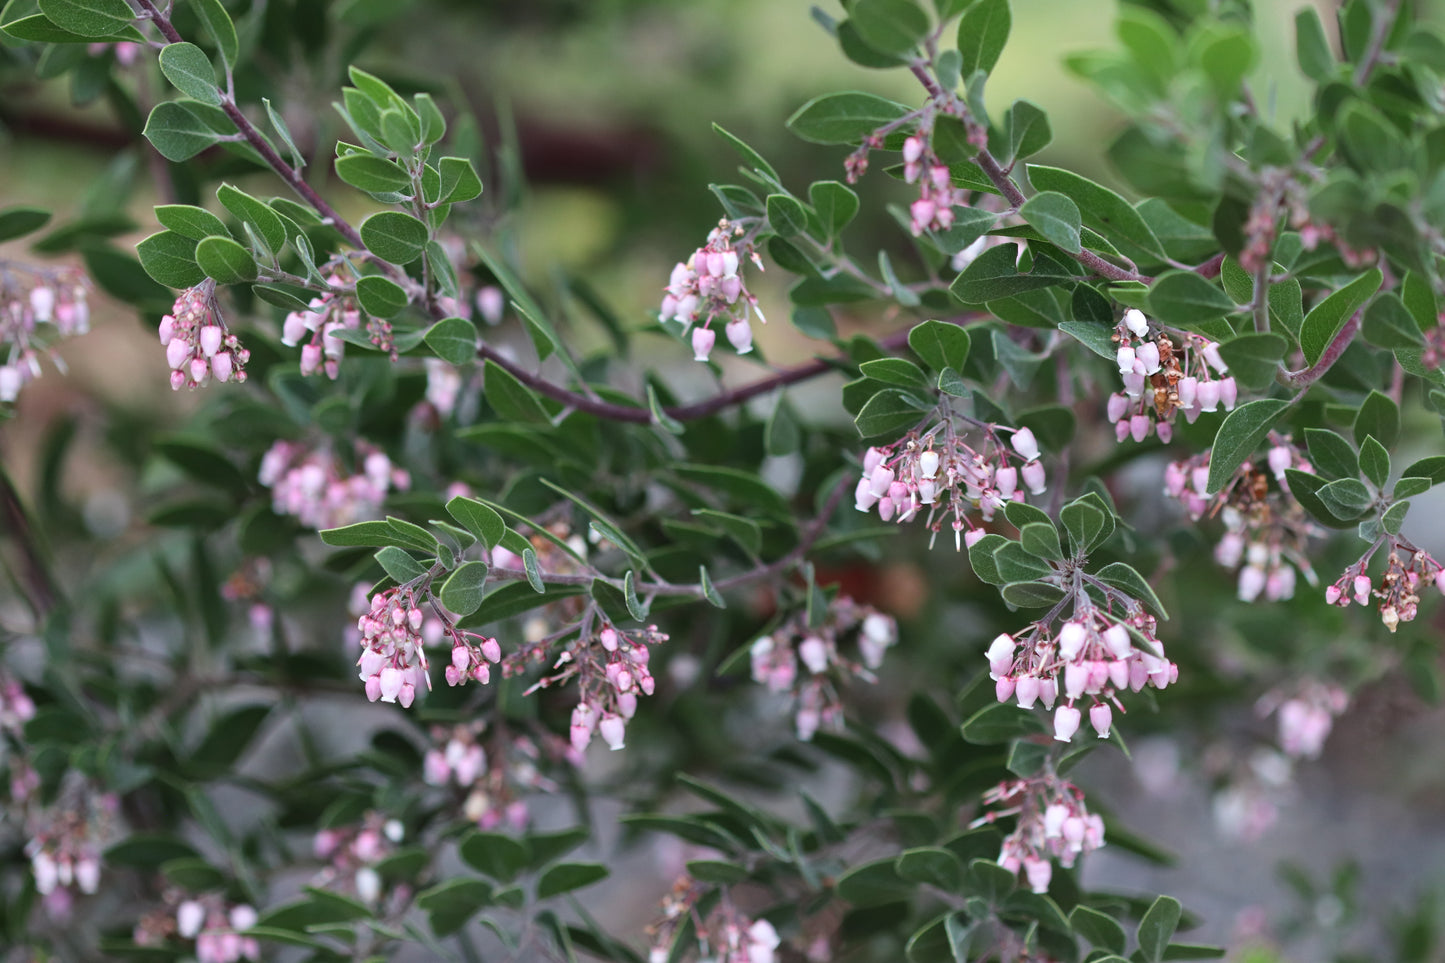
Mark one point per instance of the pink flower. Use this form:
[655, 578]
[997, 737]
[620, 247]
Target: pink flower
[1025, 444]
[1066, 722]
[1101, 717]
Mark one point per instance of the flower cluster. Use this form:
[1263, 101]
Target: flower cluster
[317, 326]
[1053, 823]
[937, 197]
[493, 783]
[1093, 654]
[940, 471]
[66, 842]
[611, 671]
[815, 696]
[727, 936]
[53, 298]
[1162, 378]
[16, 706]
[217, 930]
[1305, 717]
[1406, 567]
[197, 342]
[1265, 527]
[312, 485]
[709, 286]
[393, 653]
[351, 854]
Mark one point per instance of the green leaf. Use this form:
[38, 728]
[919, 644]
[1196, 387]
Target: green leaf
[888, 412]
[1239, 435]
[177, 133]
[450, 905]
[1374, 461]
[219, 26]
[395, 237]
[1027, 131]
[1345, 498]
[170, 259]
[1101, 209]
[994, 275]
[1041, 540]
[1157, 927]
[889, 26]
[786, 215]
[932, 866]
[709, 591]
[715, 871]
[88, 18]
[398, 563]
[565, 877]
[874, 884]
[1387, 323]
[1100, 929]
[1185, 299]
[38, 28]
[835, 203]
[510, 398]
[1378, 416]
[1393, 518]
[1226, 55]
[362, 534]
[479, 519]
[982, 34]
[980, 558]
[453, 340]
[1312, 47]
[225, 261]
[1124, 577]
[755, 161]
[383, 298]
[534, 571]
[941, 345]
[998, 723]
[1031, 594]
[189, 70]
[191, 222]
[952, 383]
[463, 590]
[1409, 487]
[1419, 298]
[1056, 217]
[896, 371]
[1327, 318]
[493, 854]
[257, 213]
[459, 180]
[844, 118]
[1253, 358]
[1330, 454]
[1088, 521]
[226, 741]
[19, 221]
[1020, 514]
[1432, 468]
[375, 175]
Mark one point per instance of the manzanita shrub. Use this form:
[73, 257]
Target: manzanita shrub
[1157, 444]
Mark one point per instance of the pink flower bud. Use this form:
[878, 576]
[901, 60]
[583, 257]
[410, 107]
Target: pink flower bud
[928, 464]
[1148, 353]
[1440, 580]
[177, 351]
[1126, 358]
[189, 917]
[1118, 407]
[1228, 392]
[863, 497]
[881, 480]
[1076, 679]
[1211, 356]
[1033, 474]
[740, 334]
[1188, 391]
[373, 688]
[1072, 637]
[167, 330]
[814, 653]
[584, 720]
[872, 458]
[885, 508]
[1121, 430]
[310, 358]
[1006, 481]
[613, 729]
[1135, 321]
[1025, 444]
[1027, 690]
[1101, 717]
[1066, 723]
[1363, 586]
[922, 212]
[1117, 641]
[1039, 873]
[1208, 396]
[391, 682]
[912, 149]
[210, 339]
[1165, 431]
[221, 366]
[199, 369]
[1139, 426]
[461, 658]
[1333, 593]
[1133, 384]
[1003, 689]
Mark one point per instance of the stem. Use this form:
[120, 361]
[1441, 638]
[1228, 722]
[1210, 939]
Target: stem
[1000, 178]
[1383, 23]
[254, 137]
[1259, 306]
[1304, 378]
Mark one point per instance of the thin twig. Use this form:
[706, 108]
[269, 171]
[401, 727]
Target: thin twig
[1305, 377]
[42, 592]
